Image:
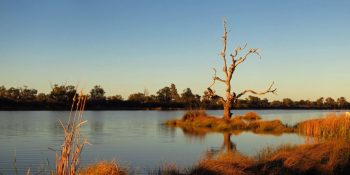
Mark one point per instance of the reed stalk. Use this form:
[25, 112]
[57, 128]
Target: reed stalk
[67, 160]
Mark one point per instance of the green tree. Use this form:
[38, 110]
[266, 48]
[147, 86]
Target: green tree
[189, 98]
[287, 102]
[175, 97]
[115, 98]
[320, 102]
[164, 95]
[27, 94]
[253, 102]
[264, 103]
[276, 104]
[151, 99]
[210, 101]
[97, 93]
[342, 103]
[330, 103]
[41, 97]
[62, 93]
[137, 97]
[13, 94]
[2, 92]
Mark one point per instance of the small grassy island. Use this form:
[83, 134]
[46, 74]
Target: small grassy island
[251, 121]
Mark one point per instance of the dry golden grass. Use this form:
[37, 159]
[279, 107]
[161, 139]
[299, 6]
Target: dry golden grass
[67, 160]
[224, 163]
[332, 126]
[249, 116]
[331, 157]
[192, 114]
[271, 127]
[267, 153]
[103, 168]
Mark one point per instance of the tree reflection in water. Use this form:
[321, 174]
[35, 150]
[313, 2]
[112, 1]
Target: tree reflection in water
[227, 146]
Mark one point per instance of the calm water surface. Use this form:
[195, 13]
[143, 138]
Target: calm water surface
[134, 138]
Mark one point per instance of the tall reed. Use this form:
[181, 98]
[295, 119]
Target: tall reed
[67, 160]
[333, 126]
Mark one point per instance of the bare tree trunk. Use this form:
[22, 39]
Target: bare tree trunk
[227, 111]
[227, 104]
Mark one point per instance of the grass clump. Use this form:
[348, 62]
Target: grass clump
[273, 126]
[103, 168]
[224, 164]
[250, 116]
[193, 114]
[268, 152]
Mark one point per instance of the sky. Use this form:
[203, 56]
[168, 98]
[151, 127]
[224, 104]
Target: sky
[129, 46]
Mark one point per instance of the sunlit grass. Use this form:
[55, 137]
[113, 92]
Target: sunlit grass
[332, 126]
[103, 168]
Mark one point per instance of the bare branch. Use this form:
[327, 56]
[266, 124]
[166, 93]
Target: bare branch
[223, 52]
[269, 90]
[243, 58]
[239, 48]
[215, 78]
[211, 92]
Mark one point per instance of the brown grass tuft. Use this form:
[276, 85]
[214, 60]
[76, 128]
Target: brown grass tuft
[103, 168]
[273, 126]
[331, 157]
[193, 114]
[225, 163]
[250, 116]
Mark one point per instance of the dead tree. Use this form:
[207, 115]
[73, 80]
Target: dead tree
[236, 60]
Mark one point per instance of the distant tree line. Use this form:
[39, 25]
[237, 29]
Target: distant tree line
[60, 98]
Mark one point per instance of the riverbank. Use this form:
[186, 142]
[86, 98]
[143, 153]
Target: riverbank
[331, 157]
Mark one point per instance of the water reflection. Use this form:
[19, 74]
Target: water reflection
[166, 131]
[245, 142]
[136, 137]
[97, 126]
[228, 145]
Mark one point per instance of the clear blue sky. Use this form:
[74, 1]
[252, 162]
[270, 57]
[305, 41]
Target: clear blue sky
[127, 46]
